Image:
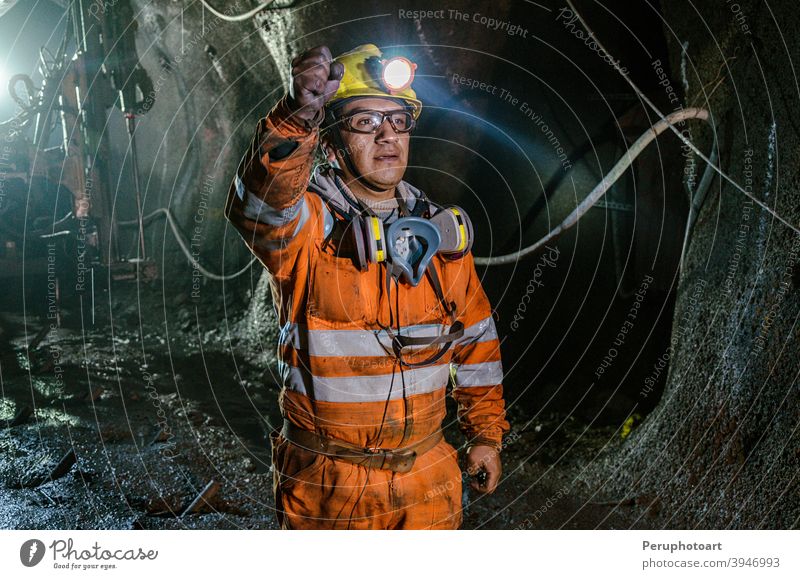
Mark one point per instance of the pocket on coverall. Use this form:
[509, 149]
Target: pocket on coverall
[297, 478]
[337, 291]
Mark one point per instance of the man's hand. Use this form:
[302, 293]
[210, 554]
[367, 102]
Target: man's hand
[484, 459]
[315, 79]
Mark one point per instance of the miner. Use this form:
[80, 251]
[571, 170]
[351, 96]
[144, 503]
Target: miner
[379, 305]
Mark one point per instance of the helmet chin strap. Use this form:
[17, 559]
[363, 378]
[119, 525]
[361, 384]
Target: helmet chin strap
[338, 141]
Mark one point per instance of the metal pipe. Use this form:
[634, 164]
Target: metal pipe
[130, 121]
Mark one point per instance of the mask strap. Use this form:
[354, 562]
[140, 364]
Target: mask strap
[449, 307]
[446, 340]
[421, 203]
[402, 206]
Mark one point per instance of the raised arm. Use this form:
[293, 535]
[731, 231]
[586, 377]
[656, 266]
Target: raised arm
[267, 200]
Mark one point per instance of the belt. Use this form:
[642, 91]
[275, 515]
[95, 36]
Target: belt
[396, 459]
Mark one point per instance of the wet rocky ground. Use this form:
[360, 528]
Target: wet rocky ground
[154, 417]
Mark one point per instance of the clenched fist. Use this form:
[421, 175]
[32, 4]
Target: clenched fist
[315, 79]
[483, 464]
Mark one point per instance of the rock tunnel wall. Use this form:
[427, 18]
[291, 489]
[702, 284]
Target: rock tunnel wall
[721, 448]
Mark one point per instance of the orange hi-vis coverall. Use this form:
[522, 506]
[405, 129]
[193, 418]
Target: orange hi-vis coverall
[339, 376]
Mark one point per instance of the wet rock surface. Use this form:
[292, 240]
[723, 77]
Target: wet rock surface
[150, 426]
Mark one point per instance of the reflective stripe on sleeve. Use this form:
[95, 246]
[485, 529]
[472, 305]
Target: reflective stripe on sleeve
[483, 374]
[258, 210]
[481, 331]
[276, 244]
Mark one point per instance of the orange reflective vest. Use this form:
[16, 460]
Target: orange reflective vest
[339, 374]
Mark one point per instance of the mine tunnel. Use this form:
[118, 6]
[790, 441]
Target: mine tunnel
[648, 348]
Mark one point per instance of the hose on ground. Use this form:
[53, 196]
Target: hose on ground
[183, 245]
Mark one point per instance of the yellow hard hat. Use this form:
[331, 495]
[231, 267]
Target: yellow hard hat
[368, 74]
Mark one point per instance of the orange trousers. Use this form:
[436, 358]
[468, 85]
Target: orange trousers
[314, 491]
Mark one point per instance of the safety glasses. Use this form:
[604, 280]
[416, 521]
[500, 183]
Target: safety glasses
[370, 121]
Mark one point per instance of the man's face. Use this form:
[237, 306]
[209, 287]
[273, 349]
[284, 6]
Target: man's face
[381, 157]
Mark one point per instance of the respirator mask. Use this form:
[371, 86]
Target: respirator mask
[409, 243]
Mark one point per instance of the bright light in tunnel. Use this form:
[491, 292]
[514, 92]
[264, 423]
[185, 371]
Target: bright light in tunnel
[5, 98]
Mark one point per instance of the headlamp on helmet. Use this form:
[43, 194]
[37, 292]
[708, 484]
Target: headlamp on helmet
[367, 73]
[397, 74]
